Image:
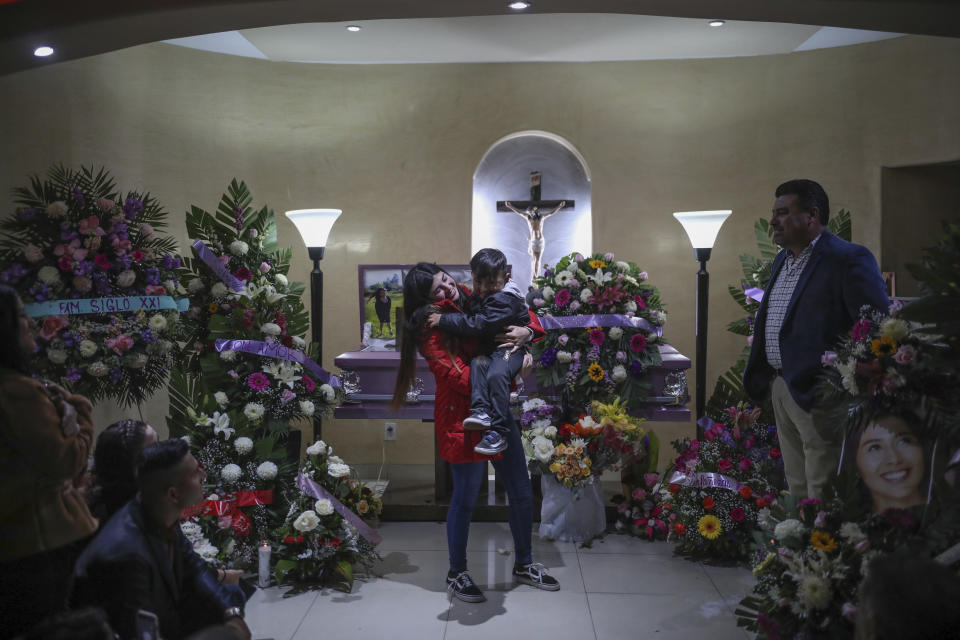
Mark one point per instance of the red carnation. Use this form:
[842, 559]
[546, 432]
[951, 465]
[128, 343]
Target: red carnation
[674, 488]
[708, 503]
[762, 503]
[66, 263]
[746, 492]
[737, 515]
[102, 261]
[679, 528]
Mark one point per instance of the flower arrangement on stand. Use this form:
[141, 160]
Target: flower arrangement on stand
[93, 265]
[718, 486]
[604, 324]
[327, 529]
[642, 512]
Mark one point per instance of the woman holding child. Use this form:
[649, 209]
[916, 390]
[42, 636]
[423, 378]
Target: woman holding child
[429, 289]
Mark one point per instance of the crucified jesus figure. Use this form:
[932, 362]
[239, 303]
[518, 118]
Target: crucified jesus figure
[535, 219]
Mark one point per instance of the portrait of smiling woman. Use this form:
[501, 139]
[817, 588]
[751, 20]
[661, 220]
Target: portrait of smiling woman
[890, 461]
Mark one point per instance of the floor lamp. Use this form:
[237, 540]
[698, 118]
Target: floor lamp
[314, 226]
[702, 228]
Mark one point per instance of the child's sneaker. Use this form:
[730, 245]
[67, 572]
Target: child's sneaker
[535, 575]
[477, 421]
[491, 444]
[461, 586]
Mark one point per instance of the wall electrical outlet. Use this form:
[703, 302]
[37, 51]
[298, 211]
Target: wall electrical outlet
[389, 430]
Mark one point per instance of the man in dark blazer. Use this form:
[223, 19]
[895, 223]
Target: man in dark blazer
[818, 285]
[142, 560]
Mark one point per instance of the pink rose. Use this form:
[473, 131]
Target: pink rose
[264, 267]
[224, 260]
[82, 283]
[563, 339]
[146, 231]
[33, 253]
[51, 326]
[253, 233]
[120, 246]
[287, 396]
[155, 290]
[578, 257]
[121, 344]
[745, 464]
[894, 307]
[105, 204]
[724, 465]
[608, 257]
[651, 478]
[574, 305]
[905, 354]
[643, 276]
[538, 302]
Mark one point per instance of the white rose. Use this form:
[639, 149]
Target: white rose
[619, 374]
[267, 470]
[280, 279]
[221, 398]
[271, 329]
[243, 445]
[97, 369]
[338, 470]
[219, 290]
[631, 305]
[56, 209]
[621, 265]
[228, 355]
[57, 356]
[586, 294]
[548, 293]
[329, 395]
[48, 275]
[307, 521]
[307, 407]
[815, 592]
[253, 411]
[542, 449]
[230, 473]
[790, 528]
[126, 278]
[196, 286]
[33, 253]
[563, 357]
[550, 432]
[87, 348]
[239, 247]
[318, 448]
[336, 459]
[615, 333]
[323, 507]
[158, 322]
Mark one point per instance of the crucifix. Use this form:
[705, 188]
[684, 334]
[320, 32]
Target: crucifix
[535, 211]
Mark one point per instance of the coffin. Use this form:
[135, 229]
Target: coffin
[376, 372]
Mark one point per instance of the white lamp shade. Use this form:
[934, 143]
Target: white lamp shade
[314, 224]
[702, 226]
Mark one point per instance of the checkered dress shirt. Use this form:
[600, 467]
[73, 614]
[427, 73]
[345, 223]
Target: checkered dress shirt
[779, 300]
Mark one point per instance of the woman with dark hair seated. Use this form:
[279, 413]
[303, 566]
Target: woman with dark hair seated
[45, 438]
[114, 460]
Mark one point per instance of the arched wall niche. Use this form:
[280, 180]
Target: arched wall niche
[504, 174]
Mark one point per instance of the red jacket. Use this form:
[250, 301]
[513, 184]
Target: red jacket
[452, 403]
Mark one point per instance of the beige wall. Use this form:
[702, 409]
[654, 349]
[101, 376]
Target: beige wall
[395, 147]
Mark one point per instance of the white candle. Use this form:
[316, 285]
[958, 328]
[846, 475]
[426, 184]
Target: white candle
[264, 568]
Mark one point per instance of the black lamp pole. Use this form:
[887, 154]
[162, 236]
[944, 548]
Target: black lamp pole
[316, 319]
[703, 295]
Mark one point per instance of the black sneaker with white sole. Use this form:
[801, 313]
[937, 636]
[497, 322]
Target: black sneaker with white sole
[491, 444]
[461, 586]
[477, 421]
[535, 575]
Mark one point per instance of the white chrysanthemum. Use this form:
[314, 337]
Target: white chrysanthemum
[57, 209]
[306, 521]
[57, 356]
[228, 355]
[329, 395]
[542, 448]
[239, 248]
[621, 266]
[338, 470]
[318, 448]
[48, 275]
[158, 322]
[586, 294]
[267, 470]
[271, 329]
[243, 445]
[550, 431]
[280, 279]
[98, 369]
[306, 406]
[323, 507]
[851, 531]
[196, 286]
[563, 357]
[815, 592]
[630, 305]
[619, 374]
[87, 348]
[221, 398]
[299, 343]
[615, 333]
[548, 293]
[219, 290]
[532, 403]
[230, 473]
[253, 411]
[790, 528]
[894, 328]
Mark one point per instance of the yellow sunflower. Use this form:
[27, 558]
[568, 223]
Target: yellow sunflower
[709, 527]
[883, 346]
[823, 541]
[597, 264]
[595, 372]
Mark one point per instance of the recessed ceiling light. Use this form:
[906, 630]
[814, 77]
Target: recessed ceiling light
[519, 5]
[354, 27]
[43, 52]
[717, 23]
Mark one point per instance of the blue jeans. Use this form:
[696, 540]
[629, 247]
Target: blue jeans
[467, 479]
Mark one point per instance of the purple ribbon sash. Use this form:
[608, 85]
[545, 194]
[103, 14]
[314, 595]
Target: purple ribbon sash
[316, 491]
[551, 323]
[268, 350]
[210, 259]
[701, 479]
[754, 293]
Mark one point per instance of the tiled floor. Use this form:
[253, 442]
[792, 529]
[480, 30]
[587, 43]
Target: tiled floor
[620, 588]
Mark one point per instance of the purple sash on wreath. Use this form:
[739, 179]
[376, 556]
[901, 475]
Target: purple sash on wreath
[702, 479]
[266, 349]
[550, 323]
[210, 259]
[316, 491]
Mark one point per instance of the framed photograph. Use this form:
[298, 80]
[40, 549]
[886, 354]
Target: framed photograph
[381, 300]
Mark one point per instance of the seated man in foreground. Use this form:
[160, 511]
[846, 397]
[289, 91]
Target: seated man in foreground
[141, 559]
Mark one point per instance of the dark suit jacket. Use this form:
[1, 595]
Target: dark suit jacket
[127, 567]
[840, 278]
